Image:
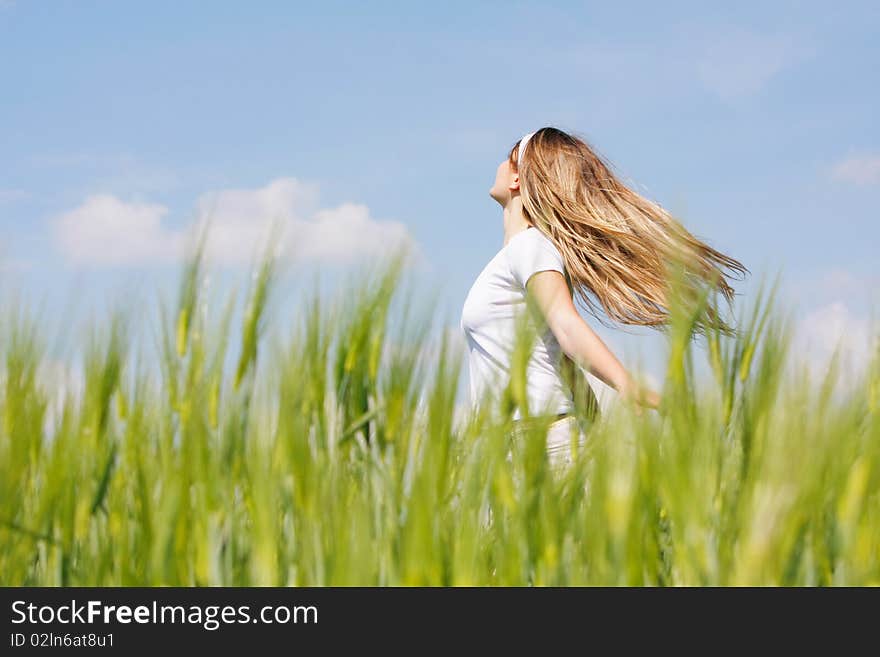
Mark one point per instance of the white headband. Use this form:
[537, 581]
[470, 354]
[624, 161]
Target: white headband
[522, 146]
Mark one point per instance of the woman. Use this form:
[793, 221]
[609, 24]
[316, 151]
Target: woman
[572, 229]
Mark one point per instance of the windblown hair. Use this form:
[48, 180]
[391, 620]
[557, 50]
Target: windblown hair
[617, 245]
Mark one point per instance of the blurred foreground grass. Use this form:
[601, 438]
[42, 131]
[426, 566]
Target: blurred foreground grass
[336, 457]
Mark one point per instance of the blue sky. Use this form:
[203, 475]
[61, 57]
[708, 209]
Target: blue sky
[361, 124]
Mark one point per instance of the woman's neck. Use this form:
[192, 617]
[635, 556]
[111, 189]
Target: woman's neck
[514, 222]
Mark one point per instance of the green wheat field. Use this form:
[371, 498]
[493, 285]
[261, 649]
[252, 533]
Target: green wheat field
[335, 455]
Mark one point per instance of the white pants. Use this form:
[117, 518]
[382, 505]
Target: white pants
[561, 435]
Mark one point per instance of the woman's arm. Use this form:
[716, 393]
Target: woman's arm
[578, 341]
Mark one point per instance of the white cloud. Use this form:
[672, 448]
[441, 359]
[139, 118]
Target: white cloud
[105, 230]
[240, 218]
[740, 63]
[833, 326]
[339, 232]
[858, 169]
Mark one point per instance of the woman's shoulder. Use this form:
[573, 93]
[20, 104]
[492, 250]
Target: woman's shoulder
[531, 239]
[523, 236]
[530, 251]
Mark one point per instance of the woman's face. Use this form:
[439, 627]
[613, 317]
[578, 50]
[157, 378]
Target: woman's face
[506, 183]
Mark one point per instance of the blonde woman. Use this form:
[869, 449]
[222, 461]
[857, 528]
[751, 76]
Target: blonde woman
[572, 230]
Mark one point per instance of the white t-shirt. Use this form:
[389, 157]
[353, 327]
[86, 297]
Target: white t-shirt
[488, 320]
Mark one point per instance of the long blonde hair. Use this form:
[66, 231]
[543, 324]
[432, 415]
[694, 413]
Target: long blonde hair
[616, 244]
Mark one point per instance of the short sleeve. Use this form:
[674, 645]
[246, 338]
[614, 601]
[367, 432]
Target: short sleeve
[531, 254]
